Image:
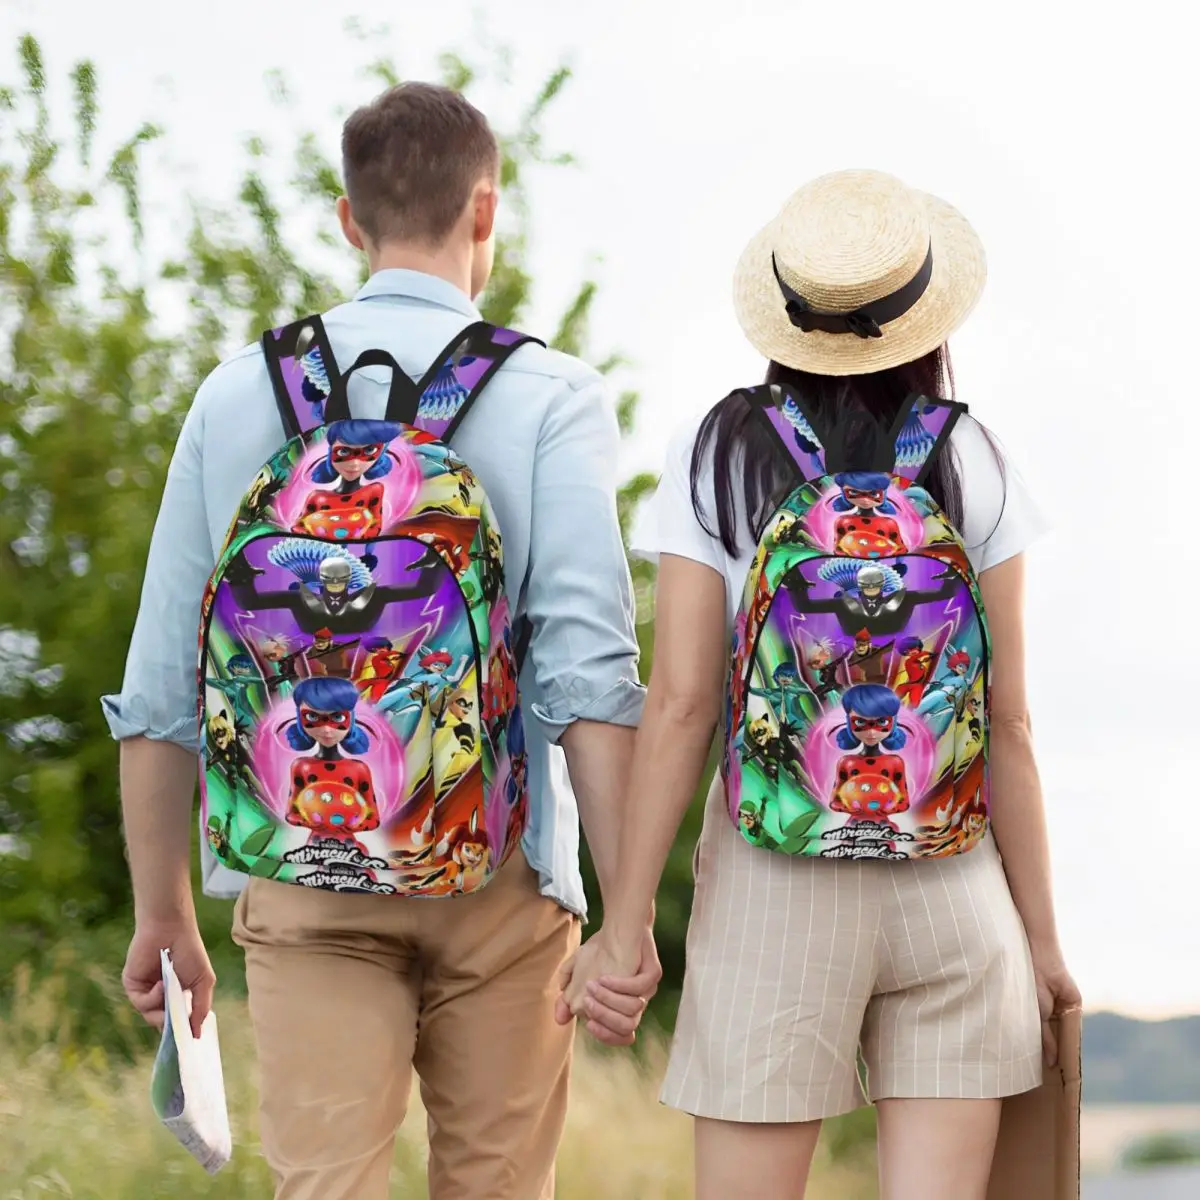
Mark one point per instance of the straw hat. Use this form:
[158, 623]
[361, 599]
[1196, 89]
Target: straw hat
[857, 273]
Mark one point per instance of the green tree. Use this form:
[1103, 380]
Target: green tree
[93, 386]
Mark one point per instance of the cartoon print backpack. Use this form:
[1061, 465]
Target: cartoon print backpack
[856, 717]
[358, 668]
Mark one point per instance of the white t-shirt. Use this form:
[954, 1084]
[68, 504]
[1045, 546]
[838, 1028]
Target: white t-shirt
[1000, 518]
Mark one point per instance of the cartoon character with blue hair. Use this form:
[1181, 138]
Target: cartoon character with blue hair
[356, 460]
[870, 784]
[235, 689]
[866, 527]
[786, 697]
[331, 795]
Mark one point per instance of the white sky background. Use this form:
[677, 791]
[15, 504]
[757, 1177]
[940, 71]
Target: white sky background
[1065, 135]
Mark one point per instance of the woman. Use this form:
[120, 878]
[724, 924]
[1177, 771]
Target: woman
[857, 900]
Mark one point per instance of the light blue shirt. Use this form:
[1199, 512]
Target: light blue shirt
[544, 442]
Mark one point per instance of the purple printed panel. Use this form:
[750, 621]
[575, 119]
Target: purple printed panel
[919, 435]
[849, 645]
[810, 463]
[448, 392]
[445, 396]
[305, 373]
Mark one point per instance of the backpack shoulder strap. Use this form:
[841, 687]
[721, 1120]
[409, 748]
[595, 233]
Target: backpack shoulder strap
[303, 373]
[782, 412]
[922, 428]
[459, 374]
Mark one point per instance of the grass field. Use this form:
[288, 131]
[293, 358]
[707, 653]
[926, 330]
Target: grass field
[75, 1124]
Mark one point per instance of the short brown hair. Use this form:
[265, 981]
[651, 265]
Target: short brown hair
[410, 159]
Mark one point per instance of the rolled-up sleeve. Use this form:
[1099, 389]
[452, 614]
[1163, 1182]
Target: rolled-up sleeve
[579, 597]
[158, 694]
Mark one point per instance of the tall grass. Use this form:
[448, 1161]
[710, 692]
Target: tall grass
[76, 1122]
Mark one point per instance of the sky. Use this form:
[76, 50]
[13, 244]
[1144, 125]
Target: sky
[1063, 134]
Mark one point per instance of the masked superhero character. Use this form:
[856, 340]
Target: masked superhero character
[870, 784]
[428, 683]
[915, 665]
[236, 689]
[491, 565]
[383, 665]
[357, 459]
[226, 753]
[824, 666]
[943, 703]
[462, 856]
[866, 527]
[331, 795]
[500, 691]
[456, 719]
[334, 587]
[871, 596]
[773, 751]
[284, 663]
[787, 698]
[266, 486]
[332, 580]
[750, 820]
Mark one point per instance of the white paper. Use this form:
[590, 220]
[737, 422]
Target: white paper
[187, 1088]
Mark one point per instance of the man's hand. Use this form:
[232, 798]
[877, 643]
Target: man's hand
[142, 977]
[609, 989]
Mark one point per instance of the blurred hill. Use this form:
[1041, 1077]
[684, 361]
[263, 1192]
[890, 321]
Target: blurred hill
[1127, 1061]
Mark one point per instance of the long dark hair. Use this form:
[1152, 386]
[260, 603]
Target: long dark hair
[857, 407]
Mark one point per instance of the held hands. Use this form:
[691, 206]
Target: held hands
[608, 987]
[142, 977]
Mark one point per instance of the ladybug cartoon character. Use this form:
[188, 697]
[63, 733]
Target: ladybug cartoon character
[357, 459]
[867, 527]
[870, 784]
[331, 795]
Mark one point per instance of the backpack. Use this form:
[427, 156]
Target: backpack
[856, 720]
[358, 668]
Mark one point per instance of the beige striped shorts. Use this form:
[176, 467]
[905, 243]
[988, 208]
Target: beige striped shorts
[797, 966]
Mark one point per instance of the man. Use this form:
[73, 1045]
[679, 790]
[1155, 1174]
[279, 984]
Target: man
[348, 993]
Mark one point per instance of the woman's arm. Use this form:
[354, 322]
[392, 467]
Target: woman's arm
[683, 703]
[1018, 814]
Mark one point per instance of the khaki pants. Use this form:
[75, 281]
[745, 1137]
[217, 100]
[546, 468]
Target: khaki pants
[350, 992]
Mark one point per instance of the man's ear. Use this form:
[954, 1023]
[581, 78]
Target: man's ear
[486, 199]
[350, 230]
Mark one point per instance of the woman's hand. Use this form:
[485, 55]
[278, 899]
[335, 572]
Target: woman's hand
[609, 987]
[1056, 993]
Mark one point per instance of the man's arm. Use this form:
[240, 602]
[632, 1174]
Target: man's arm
[579, 599]
[598, 758]
[155, 719]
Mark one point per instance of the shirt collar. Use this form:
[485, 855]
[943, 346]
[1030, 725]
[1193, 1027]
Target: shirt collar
[416, 285]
